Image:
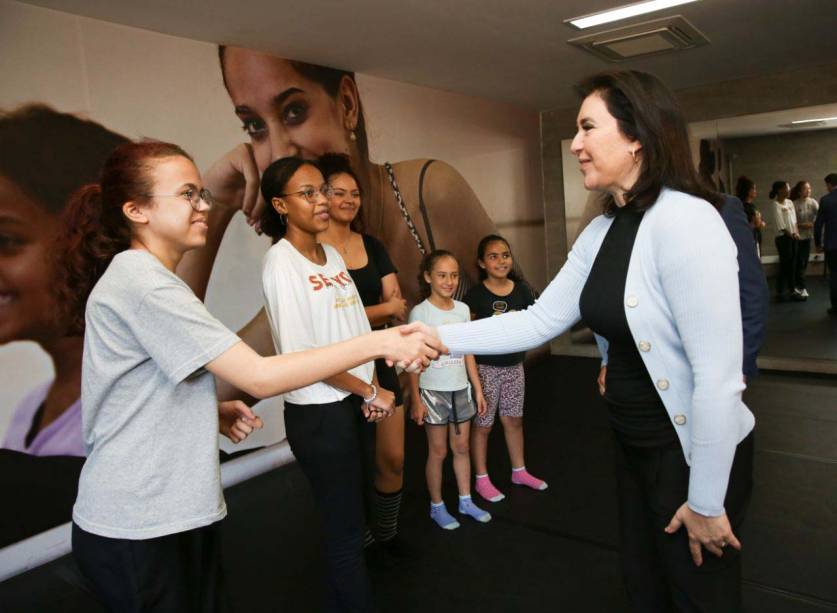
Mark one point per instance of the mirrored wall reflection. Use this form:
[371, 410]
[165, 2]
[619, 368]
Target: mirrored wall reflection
[796, 148]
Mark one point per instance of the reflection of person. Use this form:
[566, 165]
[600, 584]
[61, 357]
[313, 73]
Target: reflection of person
[806, 212]
[45, 156]
[376, 280]
[825, 235]
[746, 191]
[501, 376]
[148, 538]
[657, 277]
[787, 241]
[311, 300]
[290, 108]
[443, 402]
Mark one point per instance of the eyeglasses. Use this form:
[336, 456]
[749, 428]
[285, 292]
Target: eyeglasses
[192, 196]
[310, 193]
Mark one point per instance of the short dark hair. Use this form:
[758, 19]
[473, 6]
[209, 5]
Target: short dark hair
[648, 112]
[274, 182]
[831, 178]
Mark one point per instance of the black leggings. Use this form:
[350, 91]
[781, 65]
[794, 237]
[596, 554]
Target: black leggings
[325, 440]
[657, 568]
[787, 248]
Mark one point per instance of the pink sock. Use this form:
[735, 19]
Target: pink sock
[520, 476]
[487, 490]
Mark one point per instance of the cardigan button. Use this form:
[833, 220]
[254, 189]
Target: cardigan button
[644, 346]
[632, 301]
[662, 384]
[680, 420]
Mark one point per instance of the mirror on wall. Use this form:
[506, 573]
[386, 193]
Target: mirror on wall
[794, 146]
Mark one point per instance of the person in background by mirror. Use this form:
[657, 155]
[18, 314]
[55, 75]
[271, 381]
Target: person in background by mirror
[806, 212]
[787, 242]
[825, 235]
[745, 190]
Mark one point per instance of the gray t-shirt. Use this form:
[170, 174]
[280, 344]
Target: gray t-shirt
[149, 409]
[447, 373]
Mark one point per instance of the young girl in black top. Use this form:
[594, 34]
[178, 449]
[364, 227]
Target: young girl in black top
[502, 378]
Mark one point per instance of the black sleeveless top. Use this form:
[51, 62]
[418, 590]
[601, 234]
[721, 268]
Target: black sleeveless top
[636, 411]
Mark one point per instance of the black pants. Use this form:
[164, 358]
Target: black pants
[831, 261]
[657, 568]
[325, 440]
[787, 248]
[178, 572]
[803, 252]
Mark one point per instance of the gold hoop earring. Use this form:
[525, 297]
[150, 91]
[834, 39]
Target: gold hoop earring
[283, 219]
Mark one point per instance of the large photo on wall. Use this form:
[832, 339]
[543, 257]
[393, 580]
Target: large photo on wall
[435, 170]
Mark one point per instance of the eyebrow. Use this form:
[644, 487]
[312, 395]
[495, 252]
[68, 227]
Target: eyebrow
[278, 99]
[188, 185]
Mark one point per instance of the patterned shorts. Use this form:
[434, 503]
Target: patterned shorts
[503, 387]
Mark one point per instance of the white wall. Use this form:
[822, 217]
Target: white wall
[141, 83]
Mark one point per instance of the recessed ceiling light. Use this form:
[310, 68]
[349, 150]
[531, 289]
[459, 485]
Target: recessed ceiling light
[623, 12]
[821, 119]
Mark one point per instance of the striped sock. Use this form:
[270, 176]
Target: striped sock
[368, 539]
[387, 507]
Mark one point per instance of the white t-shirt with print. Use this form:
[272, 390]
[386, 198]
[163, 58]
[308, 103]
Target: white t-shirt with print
[311, 306]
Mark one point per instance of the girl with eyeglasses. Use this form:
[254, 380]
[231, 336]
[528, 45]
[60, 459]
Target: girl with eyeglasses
[376, 278]
[501, 376]
[311, 300]
[146, 522]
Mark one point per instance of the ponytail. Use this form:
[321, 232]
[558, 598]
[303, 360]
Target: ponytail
[86, 247]
[94, 228]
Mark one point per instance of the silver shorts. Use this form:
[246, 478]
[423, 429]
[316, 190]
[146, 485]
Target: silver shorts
[445, 408]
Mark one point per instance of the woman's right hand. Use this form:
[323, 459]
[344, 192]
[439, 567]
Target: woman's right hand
[412, 346]
[601, 380]
[234, 182]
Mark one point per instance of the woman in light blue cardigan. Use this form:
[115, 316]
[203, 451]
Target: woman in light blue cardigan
[663, 289]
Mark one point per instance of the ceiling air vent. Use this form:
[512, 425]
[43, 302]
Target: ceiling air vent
[642, 39]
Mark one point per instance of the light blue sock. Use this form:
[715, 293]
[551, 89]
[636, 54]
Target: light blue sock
[439, 514]
[467, 507]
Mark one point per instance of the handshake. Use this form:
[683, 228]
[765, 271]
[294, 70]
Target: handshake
[411, 347]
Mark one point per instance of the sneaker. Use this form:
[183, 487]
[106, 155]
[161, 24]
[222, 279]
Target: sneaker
[804, 293]
[487, 490]
[797, 296]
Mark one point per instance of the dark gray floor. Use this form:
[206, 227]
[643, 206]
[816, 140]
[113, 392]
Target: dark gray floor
[554, 550]
[802, 330]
